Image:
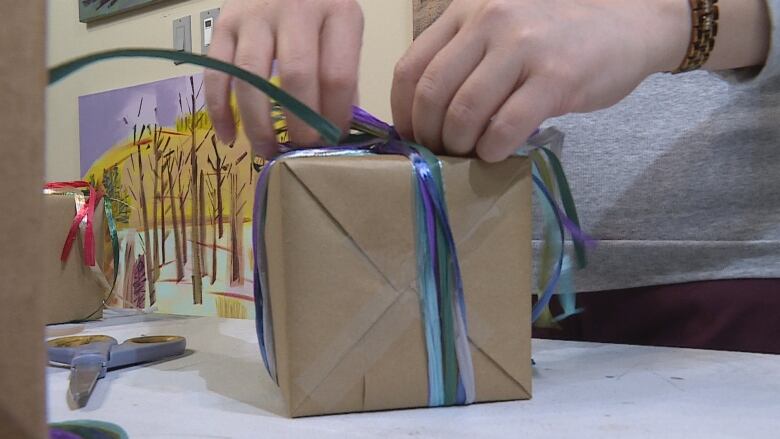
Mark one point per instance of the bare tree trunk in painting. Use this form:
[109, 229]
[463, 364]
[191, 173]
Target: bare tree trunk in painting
[175, 223]
[197, 281]
[144, 215]
[236, 230]
[213, 203]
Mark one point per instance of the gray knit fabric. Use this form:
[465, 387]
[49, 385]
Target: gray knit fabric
[681, 180]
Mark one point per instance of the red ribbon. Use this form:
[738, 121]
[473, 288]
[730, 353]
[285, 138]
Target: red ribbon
[87, 211]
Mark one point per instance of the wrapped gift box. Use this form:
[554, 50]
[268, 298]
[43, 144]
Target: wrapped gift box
[342, 276]
[72, 291]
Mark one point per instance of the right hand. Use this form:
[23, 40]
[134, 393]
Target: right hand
[489, 72]
[316, 44]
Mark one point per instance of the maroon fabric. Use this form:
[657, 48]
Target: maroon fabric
[734, 315]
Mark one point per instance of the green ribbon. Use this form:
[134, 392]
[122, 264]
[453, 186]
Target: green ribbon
[107, 205]
[329, 132]
[446, 311]
[568, 202]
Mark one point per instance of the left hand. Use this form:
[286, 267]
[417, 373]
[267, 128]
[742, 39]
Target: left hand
[489, 72]
[317, 46]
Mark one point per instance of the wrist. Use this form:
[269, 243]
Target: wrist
[673, 34]
[743, 36]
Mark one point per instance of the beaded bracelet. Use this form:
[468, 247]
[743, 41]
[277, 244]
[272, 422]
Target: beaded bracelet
[704, 15]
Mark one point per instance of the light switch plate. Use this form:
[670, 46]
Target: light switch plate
[182, 34]
[207, 21]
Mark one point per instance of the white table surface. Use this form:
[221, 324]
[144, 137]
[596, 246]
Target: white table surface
[582, 390]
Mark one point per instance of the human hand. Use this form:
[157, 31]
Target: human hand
[489, 72]
[317, 47]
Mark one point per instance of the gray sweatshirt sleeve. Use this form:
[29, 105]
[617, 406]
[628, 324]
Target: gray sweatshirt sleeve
[771, 69]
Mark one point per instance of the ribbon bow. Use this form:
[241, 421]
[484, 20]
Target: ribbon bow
[85, 213]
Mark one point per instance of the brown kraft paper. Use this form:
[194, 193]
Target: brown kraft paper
[22, 83]
[72, 291]
[343, 280]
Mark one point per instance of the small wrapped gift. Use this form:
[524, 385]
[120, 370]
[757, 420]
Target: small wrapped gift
[388, 278]
[75, 286]
[348, 330]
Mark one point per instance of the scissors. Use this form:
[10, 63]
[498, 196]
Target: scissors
[91, 356]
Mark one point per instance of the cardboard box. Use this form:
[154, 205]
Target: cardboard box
[342, 275]
[22, 83]
[72, 291]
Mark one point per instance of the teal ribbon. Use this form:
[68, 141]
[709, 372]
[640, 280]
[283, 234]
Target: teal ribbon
[329, 132]
[112, 233]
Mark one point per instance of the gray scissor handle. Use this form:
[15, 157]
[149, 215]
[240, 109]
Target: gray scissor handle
[62, 350]
[146, 349]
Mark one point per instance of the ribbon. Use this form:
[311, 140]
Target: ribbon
[439, 278]
[84, 213]
[550, 182]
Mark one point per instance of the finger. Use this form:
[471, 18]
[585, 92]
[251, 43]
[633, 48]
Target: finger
[411, 67]
[341, 40]
[440, 82]
[297, 52]
[217, 85]
[254, 52]
[520, 115]
[478, 99]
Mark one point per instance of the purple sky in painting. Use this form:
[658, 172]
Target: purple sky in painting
[102, 115]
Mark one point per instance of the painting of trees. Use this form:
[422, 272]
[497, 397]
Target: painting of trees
[182, 203]
[91, 10]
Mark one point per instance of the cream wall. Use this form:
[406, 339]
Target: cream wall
[388, 33]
